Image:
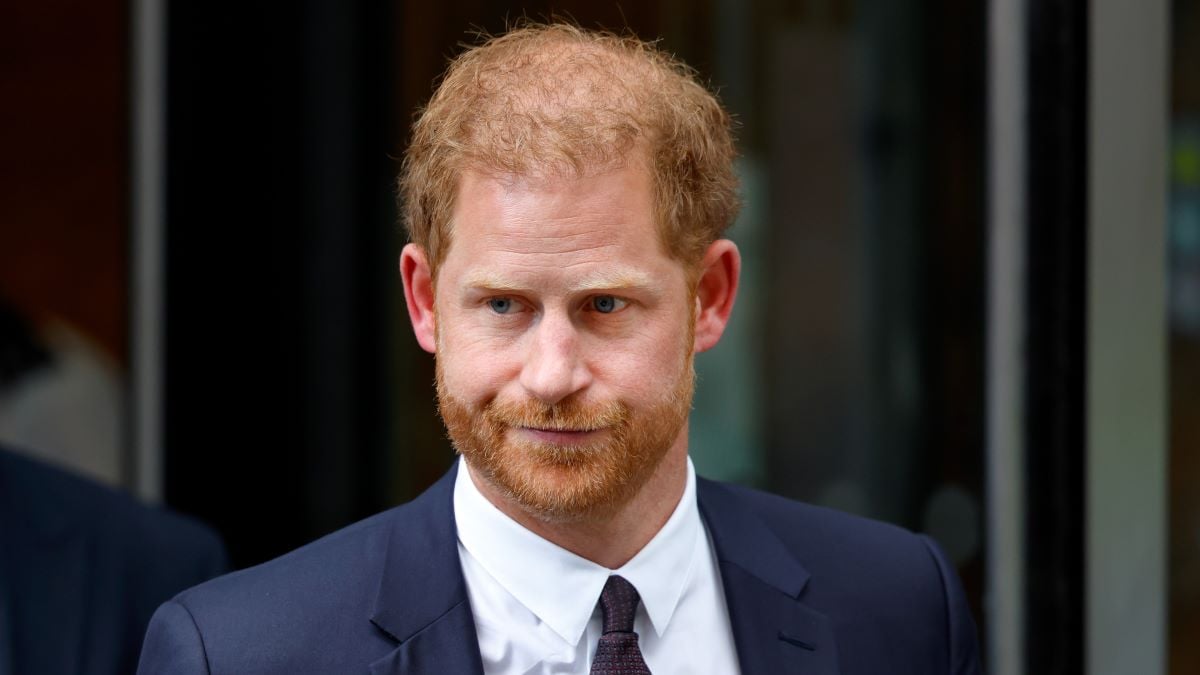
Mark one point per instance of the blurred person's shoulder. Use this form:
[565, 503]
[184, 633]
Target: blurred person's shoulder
[75, 548]
[48, 503]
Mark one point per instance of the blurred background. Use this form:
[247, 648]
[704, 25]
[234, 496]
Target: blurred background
[971, 304]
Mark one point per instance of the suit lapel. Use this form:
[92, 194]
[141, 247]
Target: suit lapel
[774, 631]
[448, 645]
[422, 598]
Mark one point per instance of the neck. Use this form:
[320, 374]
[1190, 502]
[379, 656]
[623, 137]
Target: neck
[613, 539]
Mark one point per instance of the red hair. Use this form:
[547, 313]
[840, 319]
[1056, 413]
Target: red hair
[555, 100]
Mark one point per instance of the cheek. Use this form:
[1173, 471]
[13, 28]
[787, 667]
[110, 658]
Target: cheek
[472, 369]
[647, 367]
[475, 375]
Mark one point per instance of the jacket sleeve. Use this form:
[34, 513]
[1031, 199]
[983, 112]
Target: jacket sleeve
[173, 644]
[964, 643]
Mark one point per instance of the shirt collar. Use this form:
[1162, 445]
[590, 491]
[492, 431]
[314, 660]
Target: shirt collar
[561, 588]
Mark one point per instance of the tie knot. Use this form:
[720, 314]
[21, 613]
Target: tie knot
[618, 601]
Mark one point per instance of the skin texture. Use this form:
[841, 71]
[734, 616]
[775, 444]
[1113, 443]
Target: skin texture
[573, 419]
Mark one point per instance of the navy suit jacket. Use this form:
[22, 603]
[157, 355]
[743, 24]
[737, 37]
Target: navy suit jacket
[809, 590]
[83, 567]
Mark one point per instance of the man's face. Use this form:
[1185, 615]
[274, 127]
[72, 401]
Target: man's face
[564, 340]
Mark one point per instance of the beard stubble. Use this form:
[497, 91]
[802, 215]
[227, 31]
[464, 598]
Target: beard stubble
[568, 483]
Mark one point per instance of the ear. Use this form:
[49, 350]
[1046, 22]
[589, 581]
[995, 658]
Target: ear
[418, 294]
[715, 292]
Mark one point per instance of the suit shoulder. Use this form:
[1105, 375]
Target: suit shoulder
[285, 615]
[789, 515]
[336, 558]
[840, 547]
[889, 590]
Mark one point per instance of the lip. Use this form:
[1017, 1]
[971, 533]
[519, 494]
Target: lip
[559, 436]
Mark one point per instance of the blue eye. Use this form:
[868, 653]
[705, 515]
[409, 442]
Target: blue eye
[606, 304]
[501, 305]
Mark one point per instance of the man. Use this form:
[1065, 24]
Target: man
[566, 193]
[83, 567]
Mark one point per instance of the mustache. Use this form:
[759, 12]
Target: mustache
[568, 415]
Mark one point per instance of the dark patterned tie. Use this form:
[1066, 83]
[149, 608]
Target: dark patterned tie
[618, 653]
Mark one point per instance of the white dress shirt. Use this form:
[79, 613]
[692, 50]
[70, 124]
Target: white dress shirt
[535, 603]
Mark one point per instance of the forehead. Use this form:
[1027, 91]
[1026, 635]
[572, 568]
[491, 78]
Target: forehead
[602, 225]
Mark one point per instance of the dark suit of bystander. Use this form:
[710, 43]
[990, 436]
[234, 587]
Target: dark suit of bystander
[82, 568]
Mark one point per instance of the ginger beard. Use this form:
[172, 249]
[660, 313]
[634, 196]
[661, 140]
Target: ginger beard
[569, 483]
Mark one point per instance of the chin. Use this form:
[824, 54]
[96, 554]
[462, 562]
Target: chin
[555, 482]
[564, 477]
[564, 484]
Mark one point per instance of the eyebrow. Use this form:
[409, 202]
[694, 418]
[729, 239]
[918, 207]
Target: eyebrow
[607, 280]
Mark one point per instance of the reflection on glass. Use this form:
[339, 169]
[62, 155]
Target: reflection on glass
[1184, 368]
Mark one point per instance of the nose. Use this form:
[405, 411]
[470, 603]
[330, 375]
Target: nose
[554, 367]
